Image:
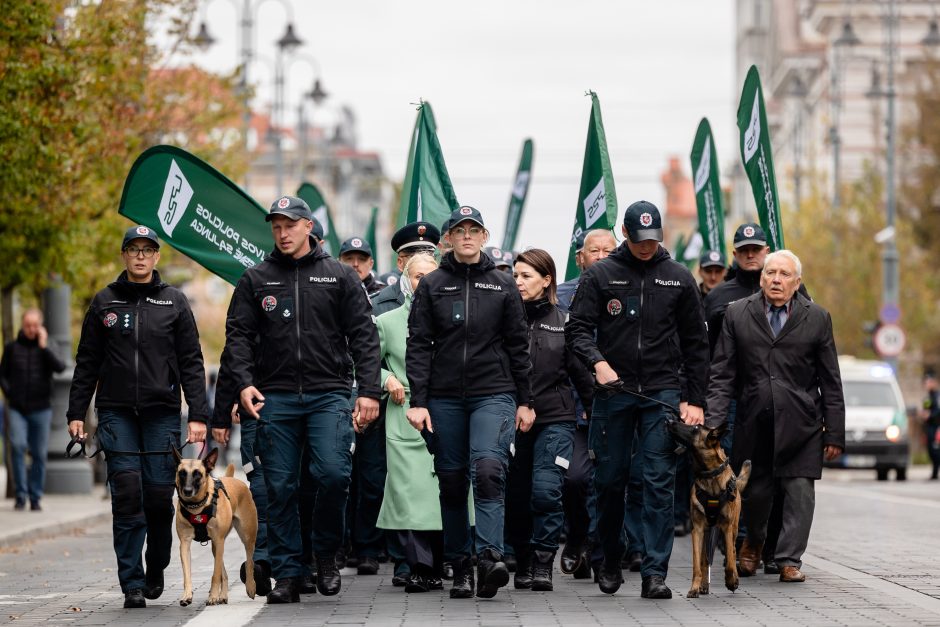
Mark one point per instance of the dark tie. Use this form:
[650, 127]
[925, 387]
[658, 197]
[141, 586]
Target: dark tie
[776, 319]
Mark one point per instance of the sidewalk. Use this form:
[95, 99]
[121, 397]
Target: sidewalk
[60, 513]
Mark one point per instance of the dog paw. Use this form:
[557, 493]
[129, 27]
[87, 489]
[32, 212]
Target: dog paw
[692, 594]
[214, 601]
[731, 583]
[703, 588]
[185, 601]
[250, 590]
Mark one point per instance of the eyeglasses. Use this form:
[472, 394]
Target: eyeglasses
[134, 251]
[460, 231]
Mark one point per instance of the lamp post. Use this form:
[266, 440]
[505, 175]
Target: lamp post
[799, 93]
[846, 39]
[317, 94]
[286, 44]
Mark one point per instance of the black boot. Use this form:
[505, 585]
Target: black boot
[134, 599]
[571, 558]
[262, 577]
[462, 587]
[154, 586]
[367, 566]
[654, 587]
[583, 571]
[285, 591]
[418, 580]
[329, 581]
[492, 574]
[523, 578]
[542, 571]
[609, 577]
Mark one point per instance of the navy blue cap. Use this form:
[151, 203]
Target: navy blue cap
[749, 234]
[465, 213]
[318, 231]
[355, 245]
[140, 232]
[390, 278]
[711, 258]
[416, 235]
[643, 222]
[499, 256]
[290, 206]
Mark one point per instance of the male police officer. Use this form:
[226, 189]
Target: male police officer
[357, 254]
[409, 240]
[293, 321]
[139, 346]
[711, 269]
[623, 320]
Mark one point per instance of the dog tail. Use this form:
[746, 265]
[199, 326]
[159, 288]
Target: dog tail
[742, 478]
[230, 471]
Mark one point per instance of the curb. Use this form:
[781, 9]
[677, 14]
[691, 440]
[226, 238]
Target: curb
[21, 538]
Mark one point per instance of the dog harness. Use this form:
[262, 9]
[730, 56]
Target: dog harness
[712, 504]
[200, 521]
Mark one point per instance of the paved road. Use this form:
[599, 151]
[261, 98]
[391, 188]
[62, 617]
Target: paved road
[872, 561]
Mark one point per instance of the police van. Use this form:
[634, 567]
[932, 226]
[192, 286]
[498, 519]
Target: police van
[876, 428]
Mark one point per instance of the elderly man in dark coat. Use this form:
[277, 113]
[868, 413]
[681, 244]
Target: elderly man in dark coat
[776, 348]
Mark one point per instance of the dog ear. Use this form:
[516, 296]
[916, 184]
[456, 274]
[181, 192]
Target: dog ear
[211, 459]
[176, 455]
[719, 431]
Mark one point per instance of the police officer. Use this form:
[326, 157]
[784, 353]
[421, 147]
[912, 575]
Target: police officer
[625, 313]
[357, 254]
[409, 240]
[502, 259]
[292, 324]
[468, 364]
[139, 345]
[711, 269]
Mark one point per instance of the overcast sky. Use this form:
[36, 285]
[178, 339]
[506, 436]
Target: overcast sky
[499, 71]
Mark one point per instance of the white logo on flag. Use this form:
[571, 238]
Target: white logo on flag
[177, 192]
[704, 166]
[522, 183]
[594, 205]
[752, 132]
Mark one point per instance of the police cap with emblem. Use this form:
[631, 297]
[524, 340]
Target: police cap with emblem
[139, 232]
[711, 258]
[355, 245]
[416, 235]
[290, 206]
[318, 232]
[463, 214]
[749, 234]
[643, 222]
[390, 278]
[500, 257]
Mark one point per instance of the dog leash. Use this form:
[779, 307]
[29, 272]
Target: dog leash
[71, 453]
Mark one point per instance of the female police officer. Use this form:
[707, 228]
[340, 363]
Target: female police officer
[139, 345]
[468, 362]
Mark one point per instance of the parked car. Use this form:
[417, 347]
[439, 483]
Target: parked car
[876, 427]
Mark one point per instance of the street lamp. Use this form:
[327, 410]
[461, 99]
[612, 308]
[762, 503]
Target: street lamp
[317, 95]
[846, 39]
[285, 45]
[798, 92]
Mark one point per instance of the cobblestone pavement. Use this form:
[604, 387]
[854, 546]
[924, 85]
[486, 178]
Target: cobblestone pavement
[871, 561]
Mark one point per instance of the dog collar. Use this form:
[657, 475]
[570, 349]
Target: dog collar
[714, 472]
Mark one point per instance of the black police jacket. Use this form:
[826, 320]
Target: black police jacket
[741, 284]
[554, 366]
[636, 308]
[467, 334]
[26, 374]
[139, 345]
[292, 325]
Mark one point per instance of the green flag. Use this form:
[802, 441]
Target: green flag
[517, 201]
[597, 200]
[309, 193]
[756, 152]
[197, 211]
[427, 193]
[711, 215]
[370, 232]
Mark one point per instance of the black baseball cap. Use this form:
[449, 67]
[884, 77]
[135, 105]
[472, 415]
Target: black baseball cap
[390, 278]
[499, 256]
[465, 213]
[355, 245]
[711, 258]
[140, 232]
[749, 234]
[416, 235]
[290, 206]
[318, 232]
[643, 222]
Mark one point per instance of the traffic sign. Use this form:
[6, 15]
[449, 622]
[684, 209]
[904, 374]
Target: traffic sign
[890, 313]
[889, 340]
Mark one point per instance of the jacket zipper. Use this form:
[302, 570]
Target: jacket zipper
[137, 355]
[639, 339]
[300, 373]
[466, 333]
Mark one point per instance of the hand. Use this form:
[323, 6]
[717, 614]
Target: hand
[77, 429]
[396, 391]
[365, 411]
[221, 436]
[236, 417]
[247, 397]
[830, 452]
[604, 373]
[525, 417]
[692, 414]
[196, 431]
[43, 338]
[419, 418]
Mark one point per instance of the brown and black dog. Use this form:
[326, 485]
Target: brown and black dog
[716, 500]
[207, 510]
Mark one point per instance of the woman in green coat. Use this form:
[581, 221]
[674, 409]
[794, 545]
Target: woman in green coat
[411, 505]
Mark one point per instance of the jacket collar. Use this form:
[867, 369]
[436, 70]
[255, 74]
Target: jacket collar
[798, 307]
[126, 285]
[316, 253]
[623, 255]
[449, 262]
[535, 309]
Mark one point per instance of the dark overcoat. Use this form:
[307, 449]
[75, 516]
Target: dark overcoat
[796, 374]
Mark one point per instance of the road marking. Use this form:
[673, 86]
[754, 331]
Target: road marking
[890, 588]
[881, 497]
[239, 611]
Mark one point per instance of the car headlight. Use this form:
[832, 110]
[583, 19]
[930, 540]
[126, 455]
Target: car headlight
[893, 433]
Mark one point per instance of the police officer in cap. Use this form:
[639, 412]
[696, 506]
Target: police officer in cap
[357, 254]
[501, 259]
[293, 324]
[409, 240]
[624, 320]
[139, 346]
[711, 269]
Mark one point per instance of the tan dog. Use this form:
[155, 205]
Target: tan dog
[207, 509]
[716, 500]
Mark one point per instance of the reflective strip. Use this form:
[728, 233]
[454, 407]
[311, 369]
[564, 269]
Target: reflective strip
[248, 467]
[561, 461]
[591, 453]
[512, 449]
[352, 449]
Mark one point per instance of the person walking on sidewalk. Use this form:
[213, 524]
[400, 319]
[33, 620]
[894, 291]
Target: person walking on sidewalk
[468, 365]
[26, 371]
[139, 346]
[930, 414]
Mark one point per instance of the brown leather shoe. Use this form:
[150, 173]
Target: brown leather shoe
[748, 558]
[791, 574]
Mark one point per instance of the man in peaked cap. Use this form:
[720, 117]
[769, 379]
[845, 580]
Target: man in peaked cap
[409, 240]
[357, 254]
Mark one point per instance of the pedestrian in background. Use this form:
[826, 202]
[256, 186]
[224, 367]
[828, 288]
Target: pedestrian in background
[139, 345]
[26, 371]
[930, 414]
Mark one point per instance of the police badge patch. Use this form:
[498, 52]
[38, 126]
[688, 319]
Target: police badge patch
[110, 319]
[614, 307]
[749, 231]
[269, 303]
[646, 219]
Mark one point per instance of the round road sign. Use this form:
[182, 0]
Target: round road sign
[889, 340]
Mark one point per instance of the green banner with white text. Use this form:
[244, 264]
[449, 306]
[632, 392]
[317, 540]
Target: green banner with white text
[520, 188]
[711, 215]
[310, 194]
[427, 193]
